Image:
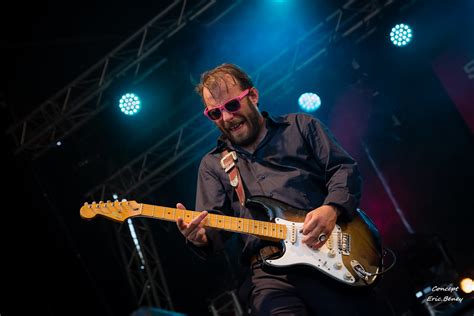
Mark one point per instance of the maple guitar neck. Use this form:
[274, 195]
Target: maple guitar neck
[261, 229]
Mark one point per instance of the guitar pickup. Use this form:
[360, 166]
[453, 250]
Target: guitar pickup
[293, 234]
[346, 244]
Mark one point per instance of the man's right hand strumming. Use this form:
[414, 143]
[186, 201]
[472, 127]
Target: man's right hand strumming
[193, 231]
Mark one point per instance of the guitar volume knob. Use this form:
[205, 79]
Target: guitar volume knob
[331, 253]
[348, 276]
[338, 265]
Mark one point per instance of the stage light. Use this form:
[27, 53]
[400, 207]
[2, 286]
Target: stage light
[130, 104]
[467, 285]
[401, 35]
[115, 196]
[59, 143]
[309, 102]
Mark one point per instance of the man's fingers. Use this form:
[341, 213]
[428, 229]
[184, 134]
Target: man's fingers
[307, 219]
[309, 240]
[195, 222]
[310, 225]
[190, 229]
[193, 234]
[180, 206]
[181, 224]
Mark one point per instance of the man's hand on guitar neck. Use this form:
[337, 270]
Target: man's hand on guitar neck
[193, 231]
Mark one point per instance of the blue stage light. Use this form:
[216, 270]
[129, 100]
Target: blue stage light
[130, 104]
[401, 35]
[309, 102]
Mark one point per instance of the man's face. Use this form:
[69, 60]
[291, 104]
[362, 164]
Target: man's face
[241, 127]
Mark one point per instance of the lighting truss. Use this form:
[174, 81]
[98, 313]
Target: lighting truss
[79, 101]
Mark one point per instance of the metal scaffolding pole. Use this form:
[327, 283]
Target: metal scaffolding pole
[143, 266]
[173, 153]
[78, 102]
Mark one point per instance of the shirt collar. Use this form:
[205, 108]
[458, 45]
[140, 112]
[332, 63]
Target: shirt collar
[271, 121]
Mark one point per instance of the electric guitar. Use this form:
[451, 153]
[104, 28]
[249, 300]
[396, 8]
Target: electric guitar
[352, 253]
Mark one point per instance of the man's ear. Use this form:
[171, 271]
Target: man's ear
[253, 96]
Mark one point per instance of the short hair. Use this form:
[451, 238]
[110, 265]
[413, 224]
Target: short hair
[210, 78]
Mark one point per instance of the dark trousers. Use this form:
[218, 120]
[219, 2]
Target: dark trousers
[303, 291]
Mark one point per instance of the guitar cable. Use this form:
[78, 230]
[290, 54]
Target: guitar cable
[386, 249]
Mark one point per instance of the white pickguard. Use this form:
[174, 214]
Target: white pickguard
[297, 253]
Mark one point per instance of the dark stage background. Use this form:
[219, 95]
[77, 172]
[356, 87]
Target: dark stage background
[405, 114]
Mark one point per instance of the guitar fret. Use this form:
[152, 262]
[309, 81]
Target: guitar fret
[235, 224]
[262, 229]
[179, 213]
[168, 213]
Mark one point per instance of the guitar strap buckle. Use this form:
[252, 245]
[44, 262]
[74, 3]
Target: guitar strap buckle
[228, 164]
[227, 161]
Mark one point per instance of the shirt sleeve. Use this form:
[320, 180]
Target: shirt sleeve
[342, 176]
[210, 196]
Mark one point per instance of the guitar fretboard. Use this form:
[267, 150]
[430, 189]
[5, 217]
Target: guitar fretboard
[264, 230]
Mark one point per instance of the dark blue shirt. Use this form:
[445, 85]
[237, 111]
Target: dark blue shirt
[298, 162]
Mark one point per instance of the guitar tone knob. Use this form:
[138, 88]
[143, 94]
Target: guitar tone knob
[338, 265]
[331, 254]
[347, 276]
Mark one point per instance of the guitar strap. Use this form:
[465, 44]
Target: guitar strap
[228, 164]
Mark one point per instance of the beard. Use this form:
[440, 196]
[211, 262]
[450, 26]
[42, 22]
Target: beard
[250, 122]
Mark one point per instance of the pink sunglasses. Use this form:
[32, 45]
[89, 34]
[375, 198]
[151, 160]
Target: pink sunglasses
[231, 106]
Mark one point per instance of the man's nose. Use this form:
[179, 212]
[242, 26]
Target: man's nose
[226, 116]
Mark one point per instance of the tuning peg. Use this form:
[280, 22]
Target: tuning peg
[101, 202]
[108, 201]
[85, 204]
[124, 200]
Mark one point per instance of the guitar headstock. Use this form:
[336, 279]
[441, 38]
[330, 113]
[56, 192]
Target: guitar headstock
[117, 211]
